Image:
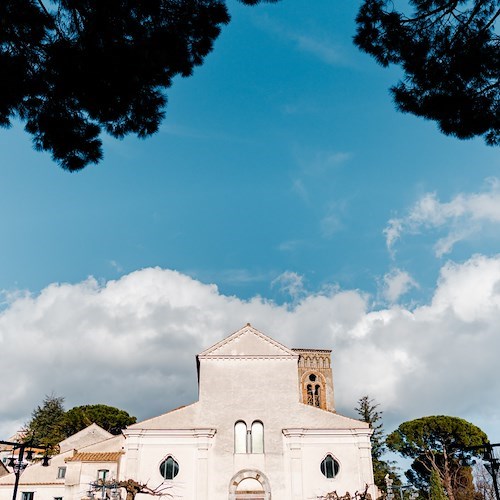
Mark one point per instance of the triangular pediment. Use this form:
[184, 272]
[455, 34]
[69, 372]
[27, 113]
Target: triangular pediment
[90, 435]
[248, 342]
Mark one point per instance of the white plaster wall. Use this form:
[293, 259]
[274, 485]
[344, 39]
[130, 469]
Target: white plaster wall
[144, 455]
[347, 448]
[251, 389]
[40, 480]
[79, 475]
[248, 382]
[42, 492]
[248, 389]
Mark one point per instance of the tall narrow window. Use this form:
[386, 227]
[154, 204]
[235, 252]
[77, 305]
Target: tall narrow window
[257, 437]
[310, 395]
[314, 391]
[317, 396]
[169, 468]
[240, 437]
[61, 472]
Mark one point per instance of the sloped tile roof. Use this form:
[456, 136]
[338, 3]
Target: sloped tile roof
[110, 456]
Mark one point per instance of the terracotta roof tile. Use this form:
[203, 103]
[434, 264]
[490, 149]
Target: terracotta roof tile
[111, 456]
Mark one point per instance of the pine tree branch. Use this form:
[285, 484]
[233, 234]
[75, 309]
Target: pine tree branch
[49, 15]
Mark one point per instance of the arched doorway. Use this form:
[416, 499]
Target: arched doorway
[249, 485]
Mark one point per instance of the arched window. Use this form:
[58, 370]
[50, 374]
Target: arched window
[257, 437]
[313, 391]
[249, 441]
[329, 467]
[169, 468]
[240, 437]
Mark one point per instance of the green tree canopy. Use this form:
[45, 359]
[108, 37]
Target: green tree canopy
[436, 491]
[46, 427]
[72, 68]
[449, 52]
[108, 417]
[436, 444]
[50, 423]
[367, 410]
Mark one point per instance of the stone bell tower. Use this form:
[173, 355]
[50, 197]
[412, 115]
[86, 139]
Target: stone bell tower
[315, 378]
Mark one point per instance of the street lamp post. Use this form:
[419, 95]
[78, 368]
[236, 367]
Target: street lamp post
[388, 482]
[101, 485]
[390, 489]
[19, 464]
[492, 464]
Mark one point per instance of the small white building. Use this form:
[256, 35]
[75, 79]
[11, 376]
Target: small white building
[264, 427]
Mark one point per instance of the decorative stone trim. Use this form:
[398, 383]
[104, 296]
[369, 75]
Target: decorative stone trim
[249, 474]
[211, 351]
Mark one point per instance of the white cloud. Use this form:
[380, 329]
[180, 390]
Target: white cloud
[116, 266]
[319, 46]
[317, 163]
[322, 48]
[131, 343]
[330, 224]
[396, 284]
[290, 245]
[462, 217]
[290, 283]
[299, 188]
[241, 276]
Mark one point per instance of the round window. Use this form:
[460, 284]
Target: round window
[169, 468]
[329, 467]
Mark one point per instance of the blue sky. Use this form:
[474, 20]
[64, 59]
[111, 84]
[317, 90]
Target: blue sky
[282, 153]
[282, 174]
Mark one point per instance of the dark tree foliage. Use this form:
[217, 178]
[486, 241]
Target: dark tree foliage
[72, 68]
[109, 418]
[449, 52]
[46, 427]
[367, 410]
[424, 477]
[436, 491]
[436, 444]
[50, 423]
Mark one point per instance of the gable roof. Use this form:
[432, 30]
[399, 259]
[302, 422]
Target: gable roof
[90, 435]
[247, 342]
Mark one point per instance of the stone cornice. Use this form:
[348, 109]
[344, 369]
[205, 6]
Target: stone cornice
[172, 433]
[305, 350]
[41, 483]
[302, 432]
[249, 356]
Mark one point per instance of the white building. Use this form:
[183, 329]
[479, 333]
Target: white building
[264, 427]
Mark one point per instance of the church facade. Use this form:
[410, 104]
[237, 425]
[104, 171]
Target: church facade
[264, 427]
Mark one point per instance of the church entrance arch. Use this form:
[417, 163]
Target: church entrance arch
[249, 484]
